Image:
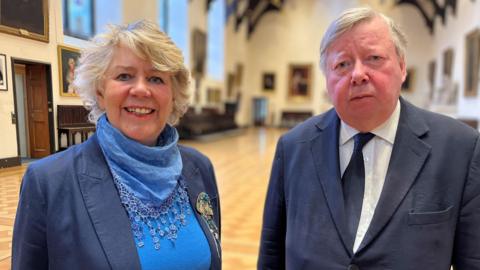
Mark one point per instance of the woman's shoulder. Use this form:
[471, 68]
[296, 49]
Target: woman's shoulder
[193, 154]
[63, 162]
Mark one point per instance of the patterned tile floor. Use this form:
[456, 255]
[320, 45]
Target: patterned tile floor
[242, 165]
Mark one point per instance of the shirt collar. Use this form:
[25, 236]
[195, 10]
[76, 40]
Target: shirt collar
[386, 131]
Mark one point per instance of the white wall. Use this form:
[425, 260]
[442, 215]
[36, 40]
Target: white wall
[453, 35]
[35, 51]
[293, 36]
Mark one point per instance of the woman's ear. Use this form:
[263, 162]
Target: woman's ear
[100, 99]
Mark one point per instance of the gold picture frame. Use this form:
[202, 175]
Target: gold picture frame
[472, 63]
[408, 84]
[300, 82]
[67, 62]
[28, 19]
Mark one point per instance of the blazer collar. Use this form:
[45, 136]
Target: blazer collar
[409, 154]
[195, 186]
[107, 214]
[109, 217]
[324, 150]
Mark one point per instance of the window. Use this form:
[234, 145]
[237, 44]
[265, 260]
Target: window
[78, 18]
[173, 19]
[215, 40]
[84, 18]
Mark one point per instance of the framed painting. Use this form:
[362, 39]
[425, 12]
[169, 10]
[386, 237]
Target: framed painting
[199, 53]
[26, 18]
[432, 66]
[472, 63]
[78, 18]
[238, 74]
[268, 82]
[448, 62]
[67, 63]
[230, 84]
[214, 95]
[300, 82]
[3, 72]
[407, 85]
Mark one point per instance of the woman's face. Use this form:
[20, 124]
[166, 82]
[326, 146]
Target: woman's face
[136, 98]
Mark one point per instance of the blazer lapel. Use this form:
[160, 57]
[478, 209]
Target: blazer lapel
[107, 214]
[324, 149]
[409, 153]
[195, 186]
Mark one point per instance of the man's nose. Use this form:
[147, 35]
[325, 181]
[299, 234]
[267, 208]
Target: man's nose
[359, 73]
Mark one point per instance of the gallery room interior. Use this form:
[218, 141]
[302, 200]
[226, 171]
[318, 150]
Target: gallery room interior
[255, 74]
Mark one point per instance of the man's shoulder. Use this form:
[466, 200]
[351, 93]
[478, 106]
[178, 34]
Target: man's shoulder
[437, 122]
[310, 128]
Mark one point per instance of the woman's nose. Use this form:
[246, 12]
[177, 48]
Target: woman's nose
[359, 74]
[141, 88]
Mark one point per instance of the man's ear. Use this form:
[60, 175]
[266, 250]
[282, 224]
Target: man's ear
[403, 68]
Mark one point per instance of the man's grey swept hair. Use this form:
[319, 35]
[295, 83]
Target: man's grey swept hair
[352, 17]
[146, 40]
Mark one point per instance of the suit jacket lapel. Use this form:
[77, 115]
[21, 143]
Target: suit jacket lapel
[107, 214]
[195, 186]
[408, 156]
[324, 149]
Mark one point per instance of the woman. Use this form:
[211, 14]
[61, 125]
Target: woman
[129, 197]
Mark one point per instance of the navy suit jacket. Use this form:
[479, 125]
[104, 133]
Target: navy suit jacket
[70, 215]
[427, 217]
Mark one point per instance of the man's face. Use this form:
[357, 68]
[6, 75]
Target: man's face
[364, 75]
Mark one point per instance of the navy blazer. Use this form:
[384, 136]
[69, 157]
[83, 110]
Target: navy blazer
[70, 215]
[427, 217]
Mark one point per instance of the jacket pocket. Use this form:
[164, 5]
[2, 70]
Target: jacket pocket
[424, 218]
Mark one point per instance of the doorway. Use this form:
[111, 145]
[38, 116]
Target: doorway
[33, 109]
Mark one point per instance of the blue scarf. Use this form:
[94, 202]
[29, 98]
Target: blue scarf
[149, 173]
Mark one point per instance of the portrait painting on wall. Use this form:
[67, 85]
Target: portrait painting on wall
[448, 63]
[199, 53]
[26, 18]
[300, 82]
[214, 95]
[432, 66]
[238, 74]
[230, 85]
[472, 63]
[78, 20]
[268, 82]
[407, 85]
[3, 72]
[67, 63]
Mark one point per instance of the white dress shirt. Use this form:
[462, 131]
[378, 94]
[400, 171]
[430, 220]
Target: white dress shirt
[376, 155]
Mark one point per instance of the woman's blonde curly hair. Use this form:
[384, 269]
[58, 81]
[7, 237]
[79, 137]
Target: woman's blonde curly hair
[147, 41]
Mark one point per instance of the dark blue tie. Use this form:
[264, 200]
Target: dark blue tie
[353, 182]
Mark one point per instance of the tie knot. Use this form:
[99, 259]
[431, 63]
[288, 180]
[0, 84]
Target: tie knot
[361, 139]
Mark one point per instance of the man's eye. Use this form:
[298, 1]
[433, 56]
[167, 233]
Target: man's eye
[156, 80]
[342, 65]
[123, 77]
[375, 58]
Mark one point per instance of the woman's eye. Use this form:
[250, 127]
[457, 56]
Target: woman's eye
[156, 80]
[123, 77]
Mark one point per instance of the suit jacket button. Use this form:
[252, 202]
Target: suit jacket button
[353, 267]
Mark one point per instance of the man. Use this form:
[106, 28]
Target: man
[402, 194]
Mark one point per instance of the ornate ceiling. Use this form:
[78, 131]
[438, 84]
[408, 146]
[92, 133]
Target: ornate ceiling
[251, 11]
[430, 9]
